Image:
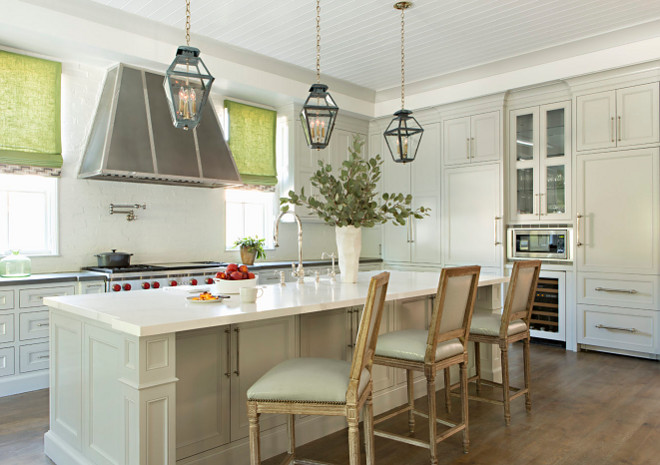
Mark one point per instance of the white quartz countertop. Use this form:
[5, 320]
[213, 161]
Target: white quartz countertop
[162, 311]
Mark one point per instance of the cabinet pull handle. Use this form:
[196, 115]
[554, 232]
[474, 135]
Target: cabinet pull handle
[228, 368]
[472, 144]
[618, 129]
[467, 148]
[619, 291]
[577, 226]
[43, 357]
[617, 328]
[43, 324]
[497, 218]
[612, 128]
[410, 227]
[350, 333]
[541, 205]
[537, 204]
[238, 351]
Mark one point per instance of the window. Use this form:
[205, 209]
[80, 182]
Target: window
[249, 213]
[28, 214]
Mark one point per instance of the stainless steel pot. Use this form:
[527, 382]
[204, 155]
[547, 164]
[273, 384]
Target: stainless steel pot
[114, 259]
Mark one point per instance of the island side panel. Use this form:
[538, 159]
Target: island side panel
[113, 395]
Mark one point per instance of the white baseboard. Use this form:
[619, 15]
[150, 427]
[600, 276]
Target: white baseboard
[61, 452]
[23, 383]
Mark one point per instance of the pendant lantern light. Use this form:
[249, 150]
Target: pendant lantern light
[187, 83]
[319, 112]
[404, 133]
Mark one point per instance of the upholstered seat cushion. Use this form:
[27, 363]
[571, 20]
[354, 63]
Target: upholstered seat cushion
[489, 325]
[306, 380]
[410, 344]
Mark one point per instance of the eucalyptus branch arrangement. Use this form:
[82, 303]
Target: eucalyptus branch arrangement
[350, 197]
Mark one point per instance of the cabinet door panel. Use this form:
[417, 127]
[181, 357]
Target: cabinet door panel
[619, 198]
[396, 245]
[325, 334]
[595, 121]
[485, 133]
[555, 161]
[456, 141]
[524, 160]
[471, 205]
[202, 392]
[637, 115]
[256, 348]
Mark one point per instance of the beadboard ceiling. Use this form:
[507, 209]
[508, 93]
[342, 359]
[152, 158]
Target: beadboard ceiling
[360, 39]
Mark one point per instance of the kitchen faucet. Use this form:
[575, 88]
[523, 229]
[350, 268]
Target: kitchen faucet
[298, 272]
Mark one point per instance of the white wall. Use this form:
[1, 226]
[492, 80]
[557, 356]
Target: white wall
[179, 224]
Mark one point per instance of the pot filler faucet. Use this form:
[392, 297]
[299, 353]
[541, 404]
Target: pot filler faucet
[298, 272]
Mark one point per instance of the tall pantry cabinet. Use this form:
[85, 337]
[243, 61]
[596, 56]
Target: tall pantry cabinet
[617, 216]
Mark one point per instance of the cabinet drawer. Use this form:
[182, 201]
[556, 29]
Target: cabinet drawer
[33, 325]
[6, 299]
[636, 291]
[617, 328]
[33, 357]
[34, 297]
[6, 328]
[7, 361]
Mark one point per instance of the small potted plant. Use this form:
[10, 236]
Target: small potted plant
[251, 248]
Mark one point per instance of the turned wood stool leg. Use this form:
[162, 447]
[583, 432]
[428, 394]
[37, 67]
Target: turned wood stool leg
[411, 400]
[253, 419]
[464, 407]
[477, 364]
[370, 450]
[528, 394]
[505, 383]
[430, 391]
[353, 419]
[447, 391]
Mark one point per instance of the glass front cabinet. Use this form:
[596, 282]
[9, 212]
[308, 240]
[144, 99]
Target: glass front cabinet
[540, 163]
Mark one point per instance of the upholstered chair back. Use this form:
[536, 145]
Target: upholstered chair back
[520, 295]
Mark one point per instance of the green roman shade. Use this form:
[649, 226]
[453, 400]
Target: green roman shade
[252, 142]
[30, 139]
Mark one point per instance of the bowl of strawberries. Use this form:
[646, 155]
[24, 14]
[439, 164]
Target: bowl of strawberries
[233, 279]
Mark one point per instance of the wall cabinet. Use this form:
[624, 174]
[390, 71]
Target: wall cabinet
[472, 216]
[618, 118]
[218, 381]
[417, 241]
[471, 139]
[617, 217]
[540, 163]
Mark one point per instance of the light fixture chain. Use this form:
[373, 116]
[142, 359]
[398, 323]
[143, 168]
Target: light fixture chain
[403, 59]
[188, 23]
[318, 41]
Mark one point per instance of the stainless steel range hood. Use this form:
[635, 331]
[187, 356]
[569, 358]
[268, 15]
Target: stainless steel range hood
[133, 139]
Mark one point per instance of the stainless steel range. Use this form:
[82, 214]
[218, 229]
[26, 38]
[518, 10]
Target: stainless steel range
[158, 275]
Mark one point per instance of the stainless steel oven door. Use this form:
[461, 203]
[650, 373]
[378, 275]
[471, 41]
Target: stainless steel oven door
[544, 244]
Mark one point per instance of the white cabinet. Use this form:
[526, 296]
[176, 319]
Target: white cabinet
[418, 241]
[472, 139]
[618, 212]
[540, 163]
[215, 368]
[472, 216]
[618, 118]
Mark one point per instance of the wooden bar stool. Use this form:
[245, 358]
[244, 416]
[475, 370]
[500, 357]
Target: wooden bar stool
[317, 386]
[443, 345]
[511, 326]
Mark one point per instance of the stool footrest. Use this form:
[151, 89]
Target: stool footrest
[438, 420]
[399, 411]
[400, 438]
[308, 462]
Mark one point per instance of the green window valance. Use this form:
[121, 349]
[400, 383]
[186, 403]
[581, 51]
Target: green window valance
[252, 141]
[30, 114]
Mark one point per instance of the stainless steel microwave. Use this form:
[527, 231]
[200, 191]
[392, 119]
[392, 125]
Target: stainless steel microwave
[543, 244]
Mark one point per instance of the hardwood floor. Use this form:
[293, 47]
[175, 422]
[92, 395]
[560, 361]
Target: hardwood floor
[587, 408]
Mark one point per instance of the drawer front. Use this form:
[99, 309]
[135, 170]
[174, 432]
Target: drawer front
[7, 361]
[33, 325]
[636, 291]
[34, 297]
[617, 328]
[33, 357]
[6, 328]
[6, 299]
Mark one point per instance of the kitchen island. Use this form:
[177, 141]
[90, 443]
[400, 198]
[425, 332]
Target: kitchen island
[154, 378]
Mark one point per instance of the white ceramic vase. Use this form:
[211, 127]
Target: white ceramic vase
[349, 243]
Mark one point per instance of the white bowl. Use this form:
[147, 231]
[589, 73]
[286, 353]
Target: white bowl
[226, 286]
